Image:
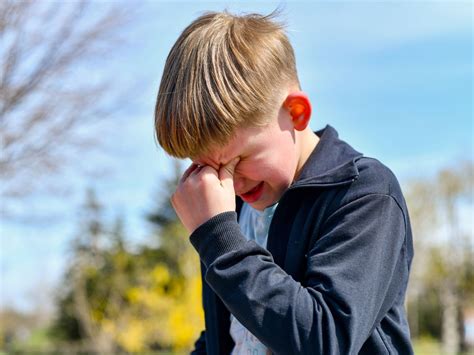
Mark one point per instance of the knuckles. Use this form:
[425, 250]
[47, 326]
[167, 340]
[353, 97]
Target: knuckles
[202, 183]
[206, 178]
[198, 181]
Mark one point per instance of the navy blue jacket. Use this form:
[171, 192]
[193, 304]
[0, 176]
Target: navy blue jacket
[334, 277]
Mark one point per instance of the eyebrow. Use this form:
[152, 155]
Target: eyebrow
[241, 151]
[220, 164]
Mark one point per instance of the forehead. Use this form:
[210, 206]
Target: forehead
[237, 145]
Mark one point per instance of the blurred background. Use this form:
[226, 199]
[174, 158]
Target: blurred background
[92, 257]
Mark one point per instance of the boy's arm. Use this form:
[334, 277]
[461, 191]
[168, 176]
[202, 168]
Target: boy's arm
[354, 273]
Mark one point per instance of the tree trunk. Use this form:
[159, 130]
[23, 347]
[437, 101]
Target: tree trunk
[450, 331]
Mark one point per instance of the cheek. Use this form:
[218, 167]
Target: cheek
[280, 170]
[245, 173]
[277, 168]
[273, 172]
[239, 184]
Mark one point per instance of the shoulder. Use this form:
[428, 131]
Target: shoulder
[375, 179]
[373, 195]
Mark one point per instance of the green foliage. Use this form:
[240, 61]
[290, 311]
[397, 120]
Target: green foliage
[427, 345]
[428, 312]
[117, 300]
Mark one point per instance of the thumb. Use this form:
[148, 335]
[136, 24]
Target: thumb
[226, 173]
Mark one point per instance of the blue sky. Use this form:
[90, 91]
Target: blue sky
[394, 78]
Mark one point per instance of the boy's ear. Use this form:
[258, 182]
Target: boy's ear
[299, 107]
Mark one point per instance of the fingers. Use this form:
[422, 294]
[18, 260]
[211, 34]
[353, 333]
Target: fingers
[200, 194]
[192, 168]
[226, 173]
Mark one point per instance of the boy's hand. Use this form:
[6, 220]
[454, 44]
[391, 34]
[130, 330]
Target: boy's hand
[204, 192]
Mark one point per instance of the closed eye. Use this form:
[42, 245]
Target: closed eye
[242, 163]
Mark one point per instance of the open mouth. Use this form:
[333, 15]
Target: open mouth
[254, 194]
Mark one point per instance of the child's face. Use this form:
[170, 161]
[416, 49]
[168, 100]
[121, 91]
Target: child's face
[269, 160]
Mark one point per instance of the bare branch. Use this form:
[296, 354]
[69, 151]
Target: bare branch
[47, 104]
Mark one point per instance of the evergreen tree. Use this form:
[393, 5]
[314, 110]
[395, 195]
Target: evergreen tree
[170, 233]
[186, 318]
[114, 300]
[83, 293]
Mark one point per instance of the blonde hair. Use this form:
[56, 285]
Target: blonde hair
[224, 71]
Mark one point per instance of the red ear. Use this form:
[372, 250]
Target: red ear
[299, 106]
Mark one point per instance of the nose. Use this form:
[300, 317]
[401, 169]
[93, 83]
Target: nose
[239, 183]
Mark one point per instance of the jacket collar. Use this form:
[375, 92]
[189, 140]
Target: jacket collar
[332, 162]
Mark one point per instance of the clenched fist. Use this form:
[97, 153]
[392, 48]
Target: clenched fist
[203, 193]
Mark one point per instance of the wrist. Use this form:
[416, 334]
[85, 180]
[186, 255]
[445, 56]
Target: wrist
[217, 236]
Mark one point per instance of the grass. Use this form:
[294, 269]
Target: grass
[427, 346]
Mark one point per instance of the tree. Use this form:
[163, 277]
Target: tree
[115, 300]
[52, 95]
[185, 318]
[421, 201]
[454, 185]
[442, 273]
[84, 292]
[178, 252]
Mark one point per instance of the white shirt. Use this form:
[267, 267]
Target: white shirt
[254, 225]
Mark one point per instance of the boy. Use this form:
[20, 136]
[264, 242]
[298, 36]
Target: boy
[313, 255]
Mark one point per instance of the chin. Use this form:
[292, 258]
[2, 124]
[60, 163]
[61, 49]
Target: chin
[257, 206]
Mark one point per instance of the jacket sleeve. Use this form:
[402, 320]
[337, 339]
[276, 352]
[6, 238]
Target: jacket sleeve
[200, 345]
[353, 275]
